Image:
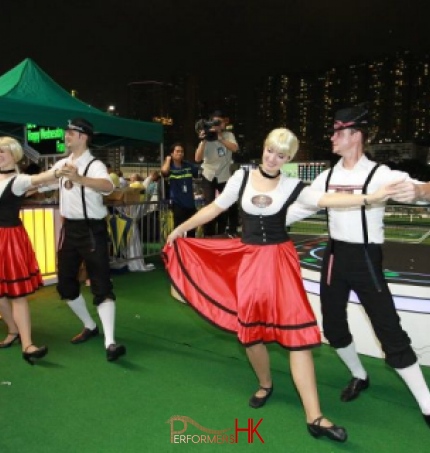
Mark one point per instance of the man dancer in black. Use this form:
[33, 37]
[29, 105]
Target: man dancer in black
[353, 260]
[83, 180]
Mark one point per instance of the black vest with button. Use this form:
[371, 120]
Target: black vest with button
[11, 205]
[266, 229]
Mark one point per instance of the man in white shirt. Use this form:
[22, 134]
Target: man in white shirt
[353, 260]
[83, 180]
[215, 150]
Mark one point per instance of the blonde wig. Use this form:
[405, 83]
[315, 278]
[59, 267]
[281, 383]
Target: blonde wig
[282, 140]
[13, 146]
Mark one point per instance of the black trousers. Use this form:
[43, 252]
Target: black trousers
[218, 225]
[79, 245]
[350, 271]
[181, 214]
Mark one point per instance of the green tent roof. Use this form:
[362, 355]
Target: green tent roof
[29, 95]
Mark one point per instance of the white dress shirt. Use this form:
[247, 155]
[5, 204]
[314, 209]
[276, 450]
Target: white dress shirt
[345, 223]
[71, 199]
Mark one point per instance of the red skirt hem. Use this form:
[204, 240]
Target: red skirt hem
[19, 270]
[224, 281]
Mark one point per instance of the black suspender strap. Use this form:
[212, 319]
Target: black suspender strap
[365, 231]
[331, 242]
[363, 208]
[295, 193]
[242, 186]
[84, 206]
[327, 184]
[364, 227]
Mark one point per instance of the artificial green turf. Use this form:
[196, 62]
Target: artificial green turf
[177, 364]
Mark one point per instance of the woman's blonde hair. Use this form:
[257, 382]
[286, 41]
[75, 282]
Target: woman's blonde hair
[13, 146]
[282, 140]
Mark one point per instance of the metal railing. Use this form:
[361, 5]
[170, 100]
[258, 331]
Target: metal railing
[403, 223]
[139, 230]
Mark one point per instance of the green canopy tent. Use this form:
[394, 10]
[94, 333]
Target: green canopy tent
[29, 95]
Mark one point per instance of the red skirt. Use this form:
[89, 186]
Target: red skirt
[253, 290]
[19, 271]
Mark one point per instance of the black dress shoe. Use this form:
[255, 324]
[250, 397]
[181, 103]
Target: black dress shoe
[259, 401]
[114, 351]
[36, 354]
[15, 337]
[333, 432]
[85, 335]
[427, 419]
[353, 389]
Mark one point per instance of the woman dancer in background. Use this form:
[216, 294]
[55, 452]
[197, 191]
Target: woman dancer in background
[19, 271]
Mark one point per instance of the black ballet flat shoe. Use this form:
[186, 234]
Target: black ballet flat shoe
[85, 335]
[333, 432]
[354, 388]
[8, 344]
[427, 419]
[36, 354]
[115, 351]
[257, 401]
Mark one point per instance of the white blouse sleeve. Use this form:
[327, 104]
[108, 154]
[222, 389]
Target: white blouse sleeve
[310, 197]
[230, 194]
[307, 202]
[21, 184]
[298, 211]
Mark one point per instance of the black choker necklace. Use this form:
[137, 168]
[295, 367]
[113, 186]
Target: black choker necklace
[266, 175]
[6, 172]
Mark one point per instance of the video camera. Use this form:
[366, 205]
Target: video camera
[207, 127]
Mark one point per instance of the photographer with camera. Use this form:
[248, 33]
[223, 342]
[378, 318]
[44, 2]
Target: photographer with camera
[215, 150]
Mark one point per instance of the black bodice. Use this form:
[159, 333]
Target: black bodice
[268, 229]
[10, 205]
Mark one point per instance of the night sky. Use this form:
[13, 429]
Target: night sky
[98, 47]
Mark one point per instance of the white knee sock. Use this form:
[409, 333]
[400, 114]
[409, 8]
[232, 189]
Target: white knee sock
[352, 361]
[106, 312]
[414, 379]
[80, 309]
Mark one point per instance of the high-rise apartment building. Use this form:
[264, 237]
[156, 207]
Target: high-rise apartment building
[420, 100]
[396, 90]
